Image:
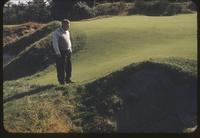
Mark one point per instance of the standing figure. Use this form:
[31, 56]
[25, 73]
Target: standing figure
[63, 49]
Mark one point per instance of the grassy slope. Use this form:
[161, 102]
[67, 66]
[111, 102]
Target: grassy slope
[118, 41]
[109, 47]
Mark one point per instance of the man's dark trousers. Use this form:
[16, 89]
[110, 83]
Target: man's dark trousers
[63, 66]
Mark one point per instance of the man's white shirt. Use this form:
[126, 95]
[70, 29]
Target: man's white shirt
[61, 33]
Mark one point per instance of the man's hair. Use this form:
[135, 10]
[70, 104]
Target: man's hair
[65, 21]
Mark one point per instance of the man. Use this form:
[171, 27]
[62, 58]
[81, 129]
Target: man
[63, 49]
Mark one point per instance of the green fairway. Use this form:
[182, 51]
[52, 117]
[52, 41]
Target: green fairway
[118, 41]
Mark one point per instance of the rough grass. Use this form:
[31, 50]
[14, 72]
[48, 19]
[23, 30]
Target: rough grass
[38, 113]
[144, 97]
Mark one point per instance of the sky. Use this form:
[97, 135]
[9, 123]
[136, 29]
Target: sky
[17, 1]
[22, 1]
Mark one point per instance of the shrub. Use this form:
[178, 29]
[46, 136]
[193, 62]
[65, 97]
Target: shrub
[173, 9]
[140, 6]
[191, 5]
[122, 6]
[82, 11]
[110, 8]
[157, 8]
[78, 40]
[132, 10]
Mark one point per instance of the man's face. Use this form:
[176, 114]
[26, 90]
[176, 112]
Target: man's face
[65, 26]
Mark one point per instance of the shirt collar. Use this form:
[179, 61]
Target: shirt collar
[62, 30]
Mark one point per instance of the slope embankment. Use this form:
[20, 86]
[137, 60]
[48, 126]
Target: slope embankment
[144, 97]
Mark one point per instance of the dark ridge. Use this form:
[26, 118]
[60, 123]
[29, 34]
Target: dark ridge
[145, 97]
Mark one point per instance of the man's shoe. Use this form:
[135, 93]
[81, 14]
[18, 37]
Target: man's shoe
[62, 83]
[69, 81]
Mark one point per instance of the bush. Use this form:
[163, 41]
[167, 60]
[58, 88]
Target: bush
[192, 6]
[110, 8]
[78, 40]
[157, 8]
[173, 9]
[132, 10]
[82, 11]
[140, 6]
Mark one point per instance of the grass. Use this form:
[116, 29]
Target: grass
[118, 41]
[37, 113]
[90, 107]
[10, 26]
[169, 43]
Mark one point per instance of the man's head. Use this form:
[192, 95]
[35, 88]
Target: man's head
[65, 24]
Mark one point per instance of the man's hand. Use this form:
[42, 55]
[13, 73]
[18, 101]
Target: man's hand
[70, 50]
[58, 56]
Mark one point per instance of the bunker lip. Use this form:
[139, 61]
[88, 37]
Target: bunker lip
[12, 34]
[148, 97]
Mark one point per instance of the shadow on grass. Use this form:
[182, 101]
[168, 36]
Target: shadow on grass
[148, 97]
[34, 91]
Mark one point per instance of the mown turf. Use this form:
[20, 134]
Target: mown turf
[118, 41]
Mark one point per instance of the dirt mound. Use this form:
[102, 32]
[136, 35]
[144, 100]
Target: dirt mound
[148, 97]
[12, 34]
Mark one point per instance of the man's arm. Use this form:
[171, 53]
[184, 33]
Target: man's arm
[55, 43]
[69, 42]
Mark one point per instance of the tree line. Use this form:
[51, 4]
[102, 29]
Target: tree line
[48, 10]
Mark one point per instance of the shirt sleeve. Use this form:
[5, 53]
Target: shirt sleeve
[70, 44]
[55, 42]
